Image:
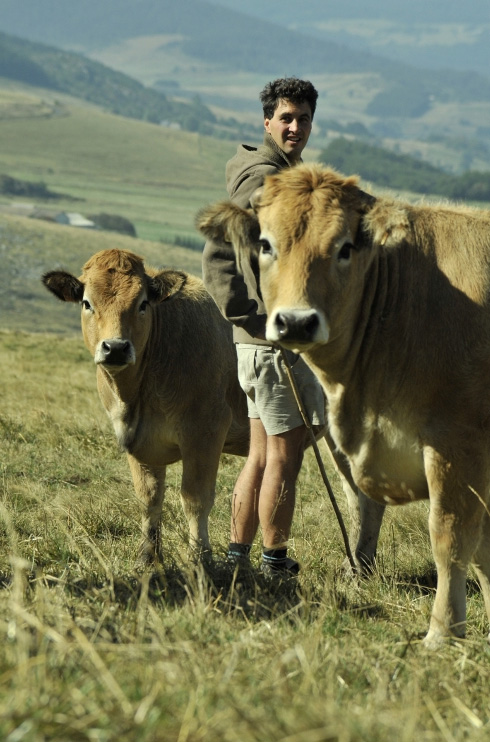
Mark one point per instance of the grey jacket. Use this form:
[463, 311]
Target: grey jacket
[238, 296]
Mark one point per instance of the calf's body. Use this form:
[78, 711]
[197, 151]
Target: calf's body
[166, 375]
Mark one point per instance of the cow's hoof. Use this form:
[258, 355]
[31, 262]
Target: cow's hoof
[148, 557]
[360, 569]
[436, 639]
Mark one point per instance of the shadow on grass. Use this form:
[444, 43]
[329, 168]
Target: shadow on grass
[243, 593]
[416, 585]
[425, 583]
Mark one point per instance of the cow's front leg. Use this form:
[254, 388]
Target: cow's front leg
[365, 514]
[366, 517]
[455, 521]
[149, 485]
[481, 561]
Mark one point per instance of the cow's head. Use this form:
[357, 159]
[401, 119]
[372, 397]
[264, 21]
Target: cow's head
[117, 297]
[307, 228]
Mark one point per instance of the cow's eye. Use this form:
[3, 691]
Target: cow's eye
[265, 247]
[86, 305]
[143, 306]
[345, 251]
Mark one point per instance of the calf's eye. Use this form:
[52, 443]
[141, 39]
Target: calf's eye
[86, 304]
[144, 304]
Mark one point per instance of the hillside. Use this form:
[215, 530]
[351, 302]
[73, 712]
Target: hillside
[393, 106]
[441, 34]
[213, 58]
[154, 176]
[402, 173]
[233, 40]
[54, 69]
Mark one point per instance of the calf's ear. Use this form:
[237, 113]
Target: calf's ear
[165, 284]
[64, 286]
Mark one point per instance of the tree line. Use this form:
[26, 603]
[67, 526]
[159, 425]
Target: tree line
[402, 172]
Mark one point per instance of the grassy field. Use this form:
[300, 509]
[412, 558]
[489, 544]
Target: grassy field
[156, 177]
[93, 650]
[31, 247]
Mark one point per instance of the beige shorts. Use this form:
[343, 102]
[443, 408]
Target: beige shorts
[263, 377]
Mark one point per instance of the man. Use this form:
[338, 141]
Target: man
[265, 490]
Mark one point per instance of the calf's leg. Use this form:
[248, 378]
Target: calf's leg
[200, 461]
[149, 485]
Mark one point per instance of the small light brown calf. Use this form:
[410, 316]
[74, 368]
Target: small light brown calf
[166, 375]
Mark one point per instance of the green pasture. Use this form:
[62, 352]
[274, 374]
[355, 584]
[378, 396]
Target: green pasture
[31, 247]
[155, 176]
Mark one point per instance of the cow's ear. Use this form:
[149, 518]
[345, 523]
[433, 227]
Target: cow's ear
[165, 285]
[363, 203]
[255, 198]
[227, 222]
[63, 285]
[388, 223]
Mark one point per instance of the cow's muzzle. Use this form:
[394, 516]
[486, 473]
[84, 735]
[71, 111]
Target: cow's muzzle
[297, 327]
[115, 353]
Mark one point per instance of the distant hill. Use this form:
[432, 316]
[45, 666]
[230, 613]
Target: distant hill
[440, 34]
[210, 33]
[199, 65]
[67, 72]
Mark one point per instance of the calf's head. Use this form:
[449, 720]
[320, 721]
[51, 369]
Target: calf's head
[306, 230]
[117, 297]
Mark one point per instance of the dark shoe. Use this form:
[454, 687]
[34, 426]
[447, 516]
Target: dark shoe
[238, 555]
[283, 570]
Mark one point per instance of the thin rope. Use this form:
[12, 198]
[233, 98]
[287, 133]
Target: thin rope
[309, 427]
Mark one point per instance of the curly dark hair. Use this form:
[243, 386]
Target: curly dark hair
[287, 88]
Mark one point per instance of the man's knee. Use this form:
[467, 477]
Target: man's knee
[286, 449]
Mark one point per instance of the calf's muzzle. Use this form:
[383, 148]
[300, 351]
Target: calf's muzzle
[115, 352]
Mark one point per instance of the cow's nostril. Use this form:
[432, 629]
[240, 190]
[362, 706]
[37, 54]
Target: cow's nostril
[311, 325]
[281, 325]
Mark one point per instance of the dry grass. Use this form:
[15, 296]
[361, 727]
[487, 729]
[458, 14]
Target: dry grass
[94, 650]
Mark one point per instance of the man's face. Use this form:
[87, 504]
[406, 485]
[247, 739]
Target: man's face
[290, 127]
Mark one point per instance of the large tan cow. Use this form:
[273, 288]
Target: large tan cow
[389, 303]
[166, 375]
